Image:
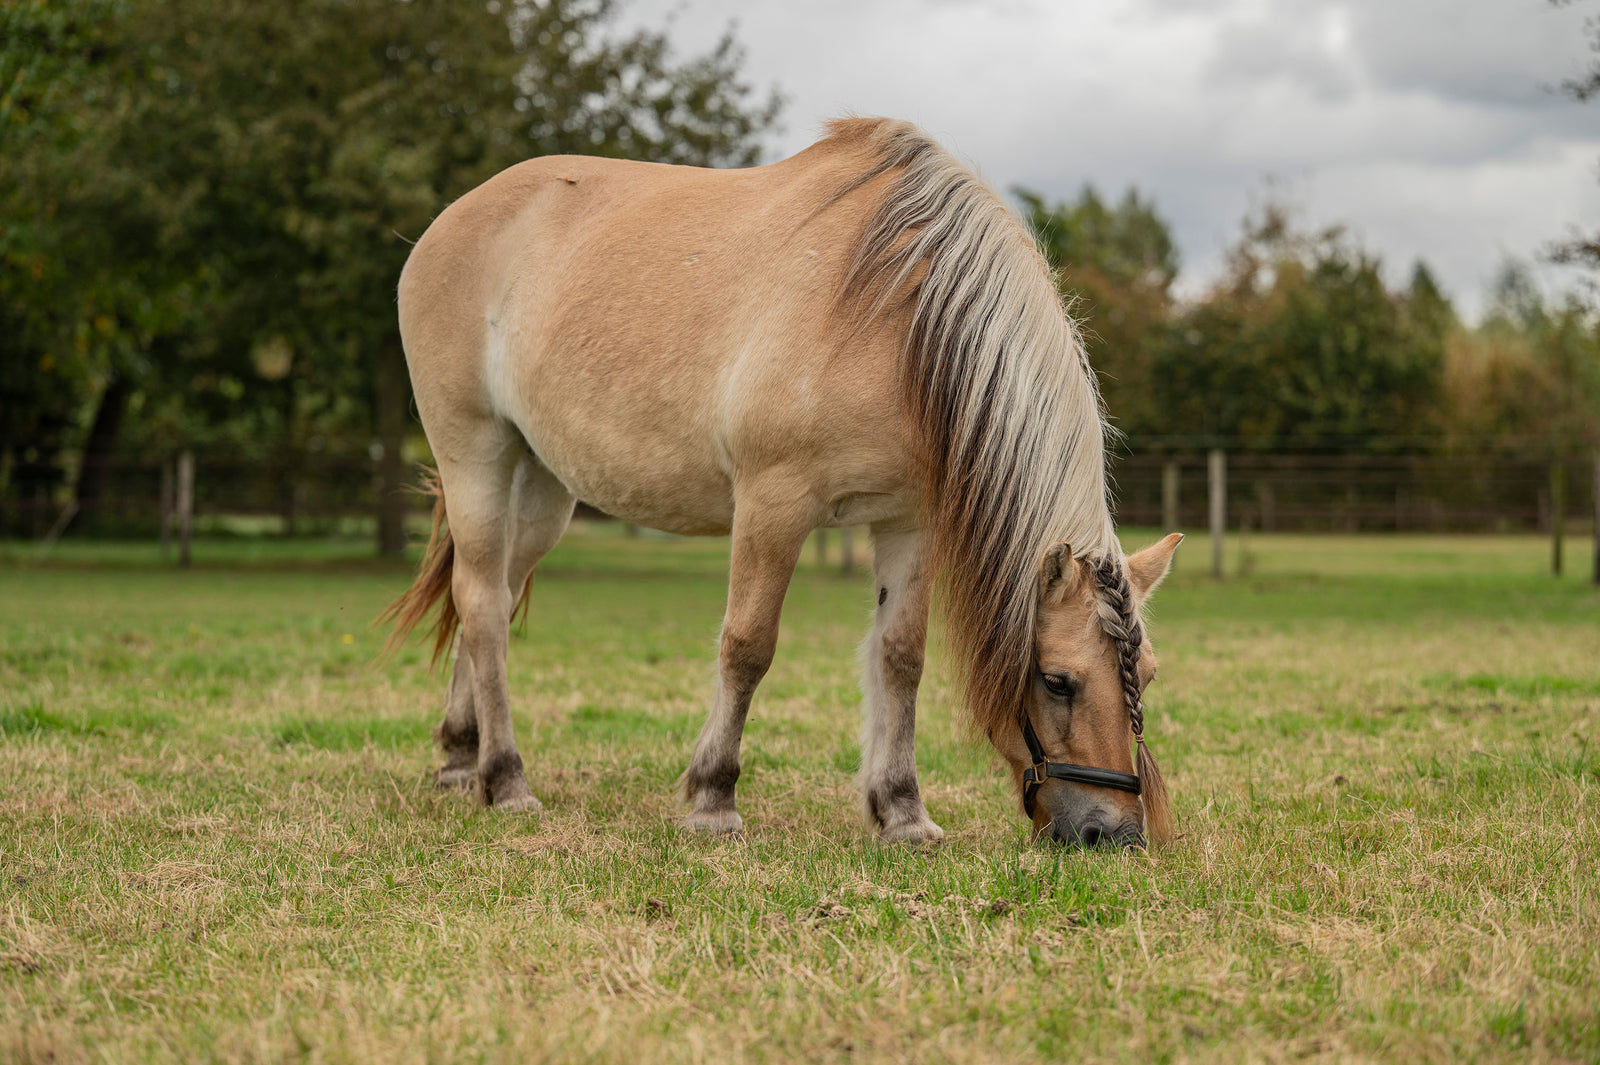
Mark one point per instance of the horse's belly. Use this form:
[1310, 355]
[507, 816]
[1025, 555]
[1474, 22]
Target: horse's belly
[702, 512]
[637, 472]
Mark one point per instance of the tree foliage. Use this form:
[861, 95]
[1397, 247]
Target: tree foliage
[1300, 344]
[226, 189]
[1582, 249]
[1530, 372]
[1115, 265]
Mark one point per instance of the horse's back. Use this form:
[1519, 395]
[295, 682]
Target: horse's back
[658, 332]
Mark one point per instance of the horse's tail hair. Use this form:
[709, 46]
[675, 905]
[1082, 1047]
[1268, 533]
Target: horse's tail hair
[432, 585]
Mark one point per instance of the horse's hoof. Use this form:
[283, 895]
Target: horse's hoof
[715, 822]
[519, 804]
[914, 833]
[456, 779]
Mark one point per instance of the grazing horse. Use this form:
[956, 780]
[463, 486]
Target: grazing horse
[862, 334]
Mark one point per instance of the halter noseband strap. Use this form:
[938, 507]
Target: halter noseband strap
[1042, 768]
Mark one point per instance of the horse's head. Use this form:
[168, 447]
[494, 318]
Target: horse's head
[1091, 663]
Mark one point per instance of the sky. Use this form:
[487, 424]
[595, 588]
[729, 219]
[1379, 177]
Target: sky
[1427, 127]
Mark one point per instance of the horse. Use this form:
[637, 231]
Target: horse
[860, 334]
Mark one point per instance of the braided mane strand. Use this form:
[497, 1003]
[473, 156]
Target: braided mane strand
[1119, 619]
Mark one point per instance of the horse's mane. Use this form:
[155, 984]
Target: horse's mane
[997, 381]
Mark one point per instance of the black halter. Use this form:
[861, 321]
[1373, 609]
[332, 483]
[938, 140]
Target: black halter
[1042, 768]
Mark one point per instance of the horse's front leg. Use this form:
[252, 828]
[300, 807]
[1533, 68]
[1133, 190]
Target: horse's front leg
[892, 670]
[768, 533]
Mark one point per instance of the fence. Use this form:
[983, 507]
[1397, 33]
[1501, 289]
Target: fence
[311, 497]
[1261, 491]
[1357, 493]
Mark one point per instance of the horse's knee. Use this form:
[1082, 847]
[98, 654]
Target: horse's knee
[745, 658]
[902, 657]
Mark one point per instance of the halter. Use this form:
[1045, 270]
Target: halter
[1112, 582]
[1042, 768]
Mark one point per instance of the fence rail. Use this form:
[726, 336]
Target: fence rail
[1357, 493]
[1267, 492]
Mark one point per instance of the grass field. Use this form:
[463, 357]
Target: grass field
[218, 839]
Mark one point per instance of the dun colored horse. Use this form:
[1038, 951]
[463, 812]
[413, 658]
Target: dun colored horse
[861, 334]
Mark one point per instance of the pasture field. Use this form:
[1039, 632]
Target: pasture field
[218, 840]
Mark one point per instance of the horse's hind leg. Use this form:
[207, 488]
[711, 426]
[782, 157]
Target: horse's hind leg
[505, 512]
[892, 670]
[457, 734]
[769, 528]
[541, 508]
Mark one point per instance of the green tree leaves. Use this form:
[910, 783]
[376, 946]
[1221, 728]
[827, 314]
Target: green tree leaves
[189, 183]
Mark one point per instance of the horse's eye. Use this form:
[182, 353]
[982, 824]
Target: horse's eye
[1060, 685]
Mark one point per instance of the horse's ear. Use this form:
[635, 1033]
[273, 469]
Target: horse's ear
[1058, 573]
[1147, 568]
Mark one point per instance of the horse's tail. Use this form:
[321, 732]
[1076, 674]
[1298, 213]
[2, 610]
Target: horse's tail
[432, 585]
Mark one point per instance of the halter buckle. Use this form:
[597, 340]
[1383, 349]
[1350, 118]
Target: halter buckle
[1039, 772]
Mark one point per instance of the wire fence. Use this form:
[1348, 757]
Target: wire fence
[1358, 493]
[1482, 492]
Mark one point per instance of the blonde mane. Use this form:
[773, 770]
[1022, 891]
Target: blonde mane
[997, 381]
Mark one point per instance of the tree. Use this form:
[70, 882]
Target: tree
[1115, 266]
[1531, 371]
[264, 167]
[1582, 249]
[52, 331]
[1300, 344]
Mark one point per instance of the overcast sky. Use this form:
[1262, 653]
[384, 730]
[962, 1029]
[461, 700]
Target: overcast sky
[1425, 125]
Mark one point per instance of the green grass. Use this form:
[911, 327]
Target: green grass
[218, 840]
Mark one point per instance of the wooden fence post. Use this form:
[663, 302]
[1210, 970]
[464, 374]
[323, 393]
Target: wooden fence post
[822, 548]
[847, 548]
[1596, 487]
[167, 489]
[1217, 470]
[185, 505]
[1558, 513]
[1169, 497]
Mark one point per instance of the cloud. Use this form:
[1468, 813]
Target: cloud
[1424, 125]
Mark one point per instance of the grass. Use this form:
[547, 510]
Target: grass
[218, 842]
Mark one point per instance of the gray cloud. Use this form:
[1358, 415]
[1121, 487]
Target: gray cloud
[1422, 124]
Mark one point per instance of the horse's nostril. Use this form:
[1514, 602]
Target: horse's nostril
[1093, 836]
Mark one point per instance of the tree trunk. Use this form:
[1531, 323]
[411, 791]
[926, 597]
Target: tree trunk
[394, 403]
[169, 505]
[98, 450]
[289, 483]
[185, 507]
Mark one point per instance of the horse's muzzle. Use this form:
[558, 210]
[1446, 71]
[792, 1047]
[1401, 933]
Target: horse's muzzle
[1095, 835]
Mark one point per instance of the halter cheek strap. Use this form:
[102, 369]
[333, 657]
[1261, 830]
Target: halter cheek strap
[1043, 769]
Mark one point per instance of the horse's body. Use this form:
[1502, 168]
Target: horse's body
[650, 332]
[752, 352]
